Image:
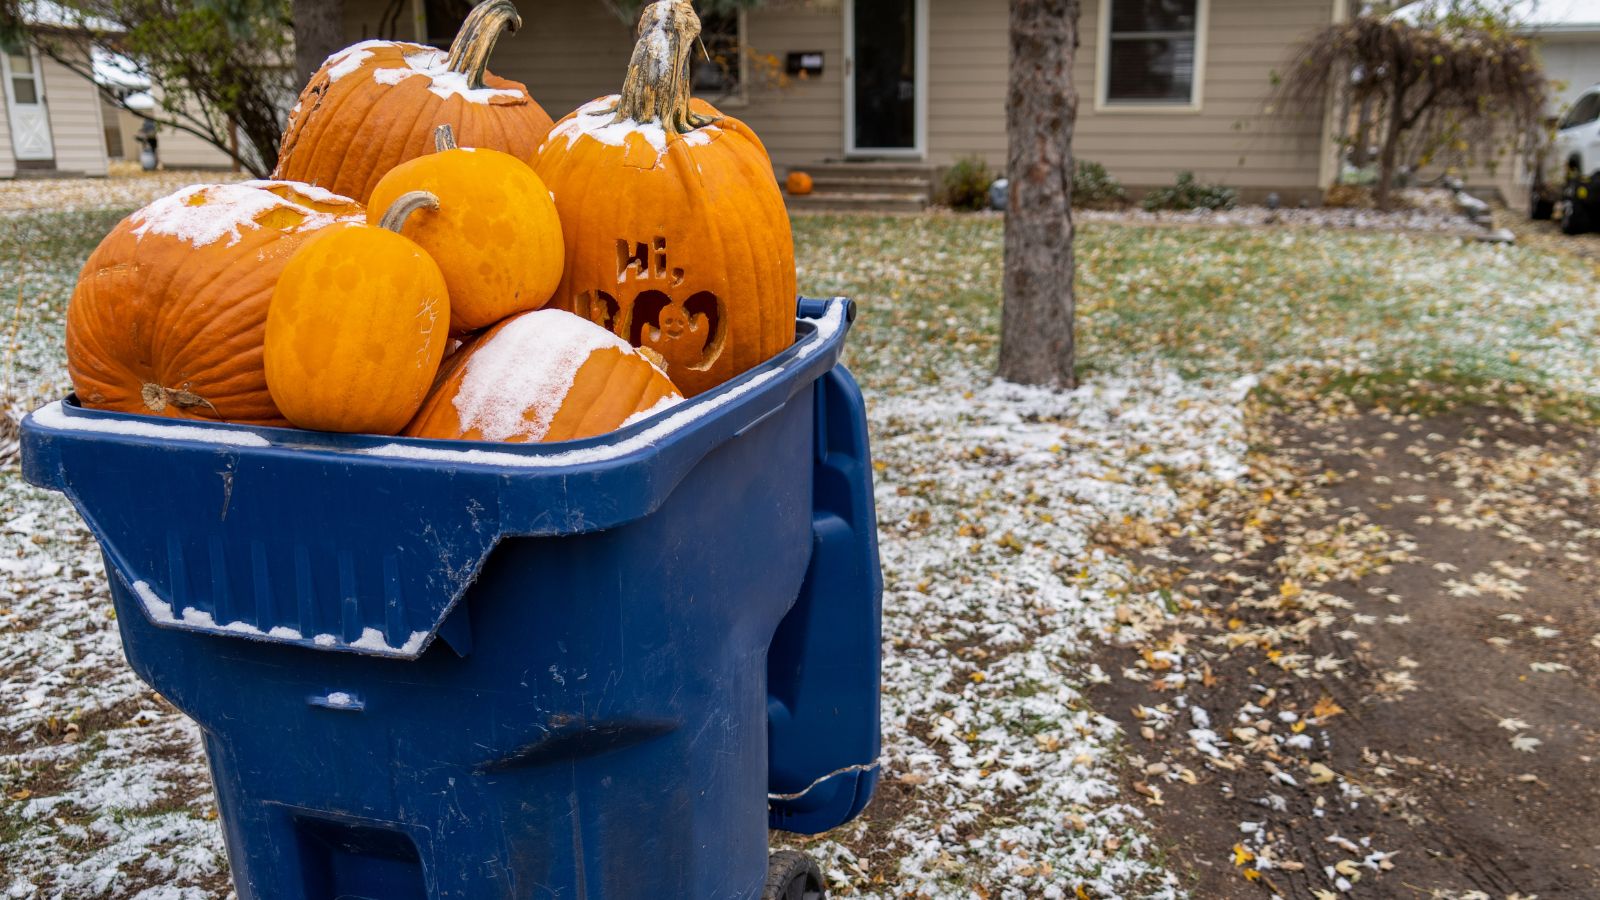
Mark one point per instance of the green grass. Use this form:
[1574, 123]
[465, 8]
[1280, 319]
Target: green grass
[1394, 311]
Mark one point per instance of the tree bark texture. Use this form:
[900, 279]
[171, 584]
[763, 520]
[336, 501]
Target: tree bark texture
[1036, 340]
[318, 33]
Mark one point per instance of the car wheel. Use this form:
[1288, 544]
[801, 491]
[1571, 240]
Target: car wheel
[1575, 208]
[1540, 206]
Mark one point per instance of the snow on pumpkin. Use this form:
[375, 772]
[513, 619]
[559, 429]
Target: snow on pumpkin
[546, 375]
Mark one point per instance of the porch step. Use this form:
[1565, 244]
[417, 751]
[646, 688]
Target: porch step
[847, 169]
[867, 187]
[847, 202]
[859, 184]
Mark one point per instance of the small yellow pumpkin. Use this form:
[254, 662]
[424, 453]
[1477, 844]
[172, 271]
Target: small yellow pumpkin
[546, 375]
[496, 235]
[357, 327]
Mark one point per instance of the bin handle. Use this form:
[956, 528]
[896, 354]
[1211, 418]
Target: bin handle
[809, 308]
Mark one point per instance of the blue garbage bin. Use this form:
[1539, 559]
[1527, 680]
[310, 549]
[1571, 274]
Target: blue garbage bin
[434, 669]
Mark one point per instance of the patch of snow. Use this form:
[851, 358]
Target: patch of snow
[204, 214]
[517, 379]
[598, 120]
[51, 416]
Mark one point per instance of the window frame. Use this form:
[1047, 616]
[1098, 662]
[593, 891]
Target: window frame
[1102, 87]
[741, 96]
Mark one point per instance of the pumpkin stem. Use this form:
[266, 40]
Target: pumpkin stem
[469, 52]
[401, 209]
[657, 87]
[444, 138]
[157, 398]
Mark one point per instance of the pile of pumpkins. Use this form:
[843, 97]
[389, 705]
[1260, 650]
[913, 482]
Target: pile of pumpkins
[436, 258]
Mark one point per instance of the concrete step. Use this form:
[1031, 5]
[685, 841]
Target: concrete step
[853, 184]
[858, 202]
[835, 169]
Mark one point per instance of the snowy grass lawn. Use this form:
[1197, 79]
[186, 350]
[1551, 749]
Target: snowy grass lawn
[999, 780]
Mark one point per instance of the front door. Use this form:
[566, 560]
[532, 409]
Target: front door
[30, 122]
[886, 77]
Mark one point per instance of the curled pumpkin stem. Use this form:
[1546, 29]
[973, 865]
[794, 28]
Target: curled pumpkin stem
[157, 398]
[470, 51]
[394, 218]
[657, 87]
[444, 138]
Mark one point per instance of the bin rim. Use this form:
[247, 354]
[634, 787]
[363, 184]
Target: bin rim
[821, 327]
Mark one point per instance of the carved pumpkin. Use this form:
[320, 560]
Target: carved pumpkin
[799, 183]
[375, 105]
[168, 316]
[358, 326]
[542, 376]
[496, 236]
[677, 237]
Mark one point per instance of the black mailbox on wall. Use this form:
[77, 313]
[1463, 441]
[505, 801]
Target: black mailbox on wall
[806, 64]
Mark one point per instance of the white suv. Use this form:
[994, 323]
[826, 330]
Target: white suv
[1576, 162]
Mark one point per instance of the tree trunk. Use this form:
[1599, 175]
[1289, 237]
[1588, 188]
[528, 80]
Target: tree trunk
[1036, 339]
[1389, 159]
[318, 33]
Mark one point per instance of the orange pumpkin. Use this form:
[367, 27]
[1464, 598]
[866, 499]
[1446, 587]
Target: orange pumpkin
[375, 105]
[677, 238]
[496, 236]
[799, 183]
[545, 376]
[358, 326]
[169, 312]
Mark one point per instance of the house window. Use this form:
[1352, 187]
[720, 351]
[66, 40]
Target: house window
[719, 72]
[1151, 52]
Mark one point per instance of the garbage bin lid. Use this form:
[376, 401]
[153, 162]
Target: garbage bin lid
[195, 517]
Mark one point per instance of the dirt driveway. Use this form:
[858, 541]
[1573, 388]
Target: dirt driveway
[1381, 677]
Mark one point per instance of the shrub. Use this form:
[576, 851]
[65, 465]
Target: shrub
[966, 184]
[1191, 194]
[1094, 188]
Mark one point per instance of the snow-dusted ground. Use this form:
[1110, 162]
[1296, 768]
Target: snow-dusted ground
[999, 780]
[66, 194]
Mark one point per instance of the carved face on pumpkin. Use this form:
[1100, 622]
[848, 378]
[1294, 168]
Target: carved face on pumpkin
[676, 233]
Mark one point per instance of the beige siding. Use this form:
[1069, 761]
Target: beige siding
[573, 50]
[8, 158]
[1236, 138]
[567, 53]
[799, 121]
[75, 124]
[969, 48]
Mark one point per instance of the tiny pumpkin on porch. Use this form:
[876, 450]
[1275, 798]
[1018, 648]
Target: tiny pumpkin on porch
[375, 105]
[799, 183]
[542, 376]
[358, 326]
[169, 313]
[496, 236]
[677, 237]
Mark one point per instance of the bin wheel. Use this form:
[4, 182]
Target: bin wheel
[792, 875]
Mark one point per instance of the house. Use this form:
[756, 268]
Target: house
[53, 122]
[908, 85]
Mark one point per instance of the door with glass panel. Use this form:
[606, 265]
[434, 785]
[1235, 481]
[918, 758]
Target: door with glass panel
[885, 76]
[30, 121]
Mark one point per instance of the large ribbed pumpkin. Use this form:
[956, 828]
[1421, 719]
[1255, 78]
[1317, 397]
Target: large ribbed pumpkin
[677, 238]
[546, 375]
[375, 105]
[169, 312]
